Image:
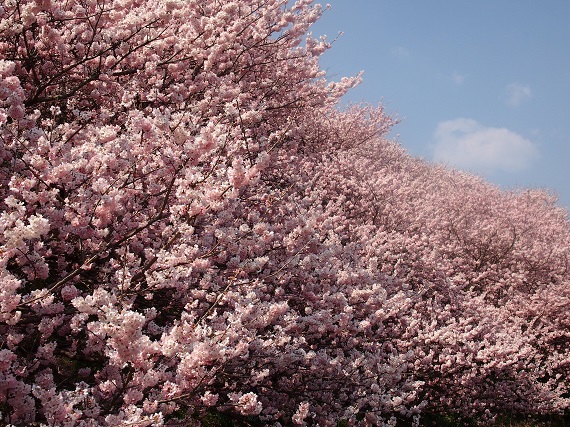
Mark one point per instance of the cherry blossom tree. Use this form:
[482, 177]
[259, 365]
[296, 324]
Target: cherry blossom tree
[190, 225]
[458, 262]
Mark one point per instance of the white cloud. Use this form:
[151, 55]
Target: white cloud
[458, 79]
[468, 145]
[517, 93]
[401, 52]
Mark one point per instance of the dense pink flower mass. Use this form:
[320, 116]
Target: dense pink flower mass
[189, 226]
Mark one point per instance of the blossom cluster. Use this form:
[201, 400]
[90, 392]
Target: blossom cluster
[189, 225]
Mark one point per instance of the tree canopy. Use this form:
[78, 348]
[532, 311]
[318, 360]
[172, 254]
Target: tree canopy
[190, 225]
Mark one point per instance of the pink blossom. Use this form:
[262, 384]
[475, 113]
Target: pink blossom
[246, 404]
[209, 399]
[301, 414]
[189, 224]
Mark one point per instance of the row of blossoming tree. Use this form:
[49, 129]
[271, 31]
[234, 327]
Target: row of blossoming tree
[189, 225]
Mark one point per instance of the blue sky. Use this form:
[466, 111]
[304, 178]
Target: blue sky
[480, 85]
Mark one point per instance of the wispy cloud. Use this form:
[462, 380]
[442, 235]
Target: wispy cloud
[458, 78]
[468, 145]
[401, 52]
[517, 93]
